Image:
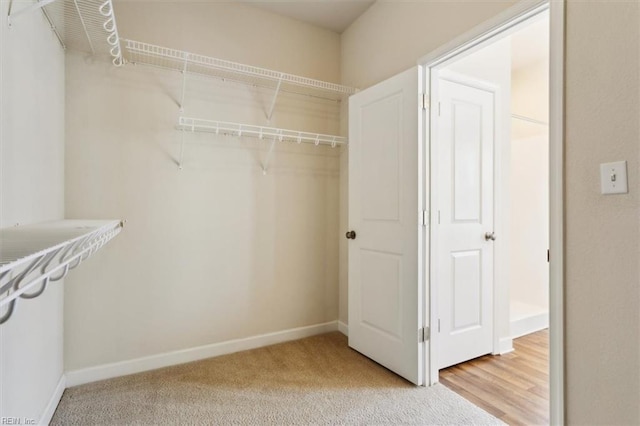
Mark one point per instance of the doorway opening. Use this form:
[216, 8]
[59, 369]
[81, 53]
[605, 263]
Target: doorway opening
[490, 203]
[491, 168]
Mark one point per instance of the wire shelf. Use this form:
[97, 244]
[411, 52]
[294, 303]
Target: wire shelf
[83, 25]
[260, 132]
[167, 58]
[32, 256]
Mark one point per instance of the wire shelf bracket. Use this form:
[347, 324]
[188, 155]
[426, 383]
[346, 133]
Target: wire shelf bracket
[275, 98]
[33, 256]
[265, 162]
[188, 124]
[83, 25]
[184, 83]
[34, 6]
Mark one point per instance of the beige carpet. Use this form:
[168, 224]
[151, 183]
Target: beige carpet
[317, 380]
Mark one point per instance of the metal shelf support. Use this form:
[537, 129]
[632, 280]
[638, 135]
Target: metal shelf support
[35, 6]
[275, 98]
[265, 163]
[180, 160]
[184, 81]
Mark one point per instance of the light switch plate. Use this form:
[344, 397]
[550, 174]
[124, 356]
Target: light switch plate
[613, 178]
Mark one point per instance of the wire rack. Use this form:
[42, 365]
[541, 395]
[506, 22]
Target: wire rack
[83, 25]
[167, 58]
[260, 132]
[33, 256]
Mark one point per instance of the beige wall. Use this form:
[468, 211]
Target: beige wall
[602, 111]
[602, 236]
[216, 251]
[31, 190]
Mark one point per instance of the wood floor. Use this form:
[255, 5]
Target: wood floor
[513, 387]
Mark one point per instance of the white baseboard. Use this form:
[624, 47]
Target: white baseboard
[50, 409]
[123, 368]
[343, 328]
[529, 324]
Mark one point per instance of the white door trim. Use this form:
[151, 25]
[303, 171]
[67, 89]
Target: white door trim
[556, 213]
[464, 44]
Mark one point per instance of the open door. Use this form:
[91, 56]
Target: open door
[463, 195]
[385, 293]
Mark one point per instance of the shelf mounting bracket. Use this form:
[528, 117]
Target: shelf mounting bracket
[275, 98]
[35, 6]
[184, 81]
[265, 164]
[181, 149]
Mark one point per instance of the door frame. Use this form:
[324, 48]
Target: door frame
[465, 43]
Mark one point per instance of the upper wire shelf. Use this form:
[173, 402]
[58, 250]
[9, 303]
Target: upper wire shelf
[32, 256]
[83, 25]
[164, 57]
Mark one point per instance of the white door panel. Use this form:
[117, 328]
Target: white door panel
[465, 204]
[385, 311]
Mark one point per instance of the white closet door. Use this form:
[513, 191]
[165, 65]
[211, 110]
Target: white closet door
[385, 308]
[465, 230]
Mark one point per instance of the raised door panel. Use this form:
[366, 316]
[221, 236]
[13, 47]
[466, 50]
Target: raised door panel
[385, 310]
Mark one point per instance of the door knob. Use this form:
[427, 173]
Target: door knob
[351, 235]
[490, 236]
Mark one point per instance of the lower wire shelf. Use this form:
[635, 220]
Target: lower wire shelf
[261, 132]
[188, 124]
[32, 256]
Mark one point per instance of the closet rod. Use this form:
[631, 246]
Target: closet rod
[528, 119]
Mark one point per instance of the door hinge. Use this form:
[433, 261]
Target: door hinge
[423, 335]
[425, 217]
[438, 325]
[439, 109]
[548, 256]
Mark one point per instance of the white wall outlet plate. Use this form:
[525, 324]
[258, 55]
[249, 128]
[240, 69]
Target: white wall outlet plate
[613, 178]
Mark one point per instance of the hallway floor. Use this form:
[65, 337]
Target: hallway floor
[513, 387]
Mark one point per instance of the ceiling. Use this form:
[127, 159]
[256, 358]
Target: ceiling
[334, 15]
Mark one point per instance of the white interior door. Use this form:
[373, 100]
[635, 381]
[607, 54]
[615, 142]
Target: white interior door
[385, 306]
[464, 170]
